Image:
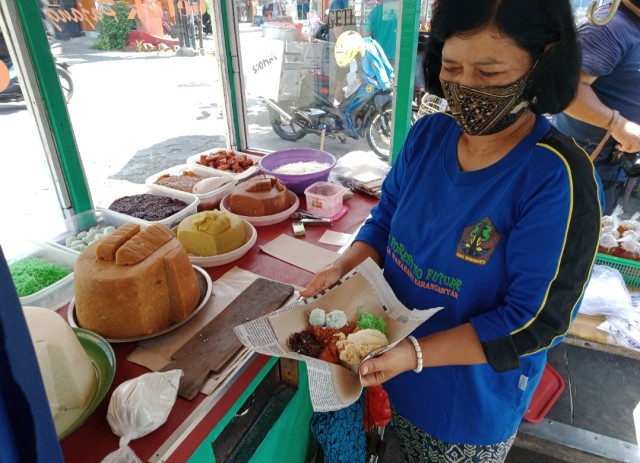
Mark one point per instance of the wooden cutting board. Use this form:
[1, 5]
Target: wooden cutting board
[212, 347]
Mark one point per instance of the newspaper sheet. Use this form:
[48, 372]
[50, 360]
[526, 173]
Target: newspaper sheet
[332, 386]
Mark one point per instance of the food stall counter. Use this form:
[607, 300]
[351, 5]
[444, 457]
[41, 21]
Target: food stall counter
[191, 421]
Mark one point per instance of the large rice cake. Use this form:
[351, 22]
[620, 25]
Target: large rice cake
[134, 283]
[69, 378]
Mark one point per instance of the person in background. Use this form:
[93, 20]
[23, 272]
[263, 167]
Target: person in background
[608, 98]
[490, 213]
[207, 27]
[339, 73]
[366, 62]
[339, 5]
[382, 26]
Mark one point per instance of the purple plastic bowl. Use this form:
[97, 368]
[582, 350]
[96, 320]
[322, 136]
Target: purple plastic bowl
[297, 183]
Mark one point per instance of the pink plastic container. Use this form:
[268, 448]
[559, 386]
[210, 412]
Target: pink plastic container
[324, 198]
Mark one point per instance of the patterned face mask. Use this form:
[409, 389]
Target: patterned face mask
[486, 110]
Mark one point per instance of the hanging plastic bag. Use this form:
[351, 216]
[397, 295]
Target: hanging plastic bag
[606, 294]
[138, 407]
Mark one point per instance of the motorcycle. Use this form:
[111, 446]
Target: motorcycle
[364, 113]
[367, 110]
[13, 92]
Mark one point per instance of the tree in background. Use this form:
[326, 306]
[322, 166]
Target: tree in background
[114, 29]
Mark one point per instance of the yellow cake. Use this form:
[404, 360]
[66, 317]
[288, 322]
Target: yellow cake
[134, 283]
[211, 233]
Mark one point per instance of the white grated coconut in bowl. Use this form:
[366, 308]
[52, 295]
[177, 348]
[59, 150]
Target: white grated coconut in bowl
[301, 168]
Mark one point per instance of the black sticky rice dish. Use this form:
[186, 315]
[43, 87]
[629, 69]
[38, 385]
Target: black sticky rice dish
[147, 206]
[305, 343]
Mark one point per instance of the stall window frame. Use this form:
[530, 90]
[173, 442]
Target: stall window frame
[29, 46]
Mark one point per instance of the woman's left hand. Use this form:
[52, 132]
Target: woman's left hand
[397, 360]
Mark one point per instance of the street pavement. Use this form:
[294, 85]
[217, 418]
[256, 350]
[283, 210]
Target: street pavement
[169, 108]
[133, 114]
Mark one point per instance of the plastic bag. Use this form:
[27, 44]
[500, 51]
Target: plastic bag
[377, 409]
[606, 294]
[139, 406]
[360, 170]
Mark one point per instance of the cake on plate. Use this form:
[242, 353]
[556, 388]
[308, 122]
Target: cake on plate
[182, 182]
[259, 196]
[135, 282]
[68, 375]
[211, 233]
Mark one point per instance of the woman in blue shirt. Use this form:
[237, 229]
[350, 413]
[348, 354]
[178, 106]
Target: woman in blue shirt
[490, 213]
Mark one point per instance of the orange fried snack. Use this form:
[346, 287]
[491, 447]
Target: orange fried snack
[329, 353]
[326, 335]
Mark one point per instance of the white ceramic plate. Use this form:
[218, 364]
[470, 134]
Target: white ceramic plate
[204, 281]
[265, 219]
[214, 261]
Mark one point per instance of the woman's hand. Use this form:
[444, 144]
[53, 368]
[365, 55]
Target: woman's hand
[357, 253]
[397, 360]
[627, 134]
[321, 281]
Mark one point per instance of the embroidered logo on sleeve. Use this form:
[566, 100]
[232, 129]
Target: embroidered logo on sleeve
[478, 242]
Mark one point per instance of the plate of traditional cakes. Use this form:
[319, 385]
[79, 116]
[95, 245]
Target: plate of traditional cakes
[135, 284]
[208, 187]
[148, 205]
[225, 162]
[77, 367]
[214, 238]
[261, 201]
[333, 338]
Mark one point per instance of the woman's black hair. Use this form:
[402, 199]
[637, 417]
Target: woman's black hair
[543, 28]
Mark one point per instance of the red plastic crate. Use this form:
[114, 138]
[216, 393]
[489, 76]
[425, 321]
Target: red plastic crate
[549, 389]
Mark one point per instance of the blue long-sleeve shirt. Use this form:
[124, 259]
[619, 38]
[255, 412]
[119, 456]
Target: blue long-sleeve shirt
[508, 248]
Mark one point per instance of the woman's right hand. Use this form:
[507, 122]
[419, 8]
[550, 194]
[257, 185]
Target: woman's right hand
[321, 281]
[357, 253]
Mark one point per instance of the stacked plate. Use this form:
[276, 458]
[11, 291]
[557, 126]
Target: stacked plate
[262, 221]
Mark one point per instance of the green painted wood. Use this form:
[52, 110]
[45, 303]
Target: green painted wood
[289, 439]
[408, 28]
[224, 10]
[204, 453]
[294, 422]
[55, 106]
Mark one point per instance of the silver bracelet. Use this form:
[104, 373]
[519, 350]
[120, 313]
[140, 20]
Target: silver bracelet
[416, 346]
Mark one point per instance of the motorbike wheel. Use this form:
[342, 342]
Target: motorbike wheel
[291, 131]
[66, 83]
[378, 133]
